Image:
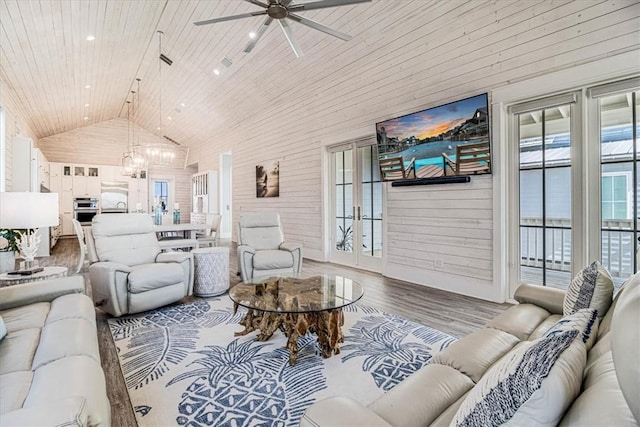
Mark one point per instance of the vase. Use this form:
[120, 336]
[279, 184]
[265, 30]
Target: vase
[7, 261]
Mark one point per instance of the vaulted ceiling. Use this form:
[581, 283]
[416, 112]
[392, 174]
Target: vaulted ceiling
[66, 81]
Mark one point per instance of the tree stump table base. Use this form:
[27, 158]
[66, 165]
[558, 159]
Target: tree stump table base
[326, 324]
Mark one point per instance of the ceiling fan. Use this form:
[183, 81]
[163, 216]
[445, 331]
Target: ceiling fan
[281, 10]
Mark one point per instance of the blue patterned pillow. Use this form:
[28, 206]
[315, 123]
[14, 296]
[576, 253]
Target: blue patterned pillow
[591, 288]
[534, 383]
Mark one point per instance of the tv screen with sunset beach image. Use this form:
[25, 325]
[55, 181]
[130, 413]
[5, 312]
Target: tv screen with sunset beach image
[448, 140]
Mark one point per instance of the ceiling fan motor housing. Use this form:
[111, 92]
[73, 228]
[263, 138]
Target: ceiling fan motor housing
[277, 11]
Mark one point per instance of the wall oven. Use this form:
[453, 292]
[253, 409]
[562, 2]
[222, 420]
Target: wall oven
[84, 209]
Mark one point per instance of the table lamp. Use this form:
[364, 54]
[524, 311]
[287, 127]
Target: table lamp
[28, 211]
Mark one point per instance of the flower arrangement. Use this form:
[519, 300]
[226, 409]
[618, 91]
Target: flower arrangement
[10, 239]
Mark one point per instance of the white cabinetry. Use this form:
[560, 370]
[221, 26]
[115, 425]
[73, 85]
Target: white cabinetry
[204, 187]
[138, 193]
[26, 165]
[86, 181]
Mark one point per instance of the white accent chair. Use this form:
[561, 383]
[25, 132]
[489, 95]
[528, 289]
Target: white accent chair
[210, 238]
[261, 247]
[77, 227]
[131, 274]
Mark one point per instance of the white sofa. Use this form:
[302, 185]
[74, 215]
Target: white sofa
[608, 396]
[50, 371]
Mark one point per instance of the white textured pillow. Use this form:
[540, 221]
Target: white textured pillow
[591, 288]
[534, 384]
[3, 329]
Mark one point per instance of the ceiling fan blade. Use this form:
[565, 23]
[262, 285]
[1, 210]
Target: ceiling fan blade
[252, 43]
[322, 4]
[286, 29]
[230, 18]
[320, 27]
[258, 3]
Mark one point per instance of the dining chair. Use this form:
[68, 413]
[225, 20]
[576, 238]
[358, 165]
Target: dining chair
[211, 236]
[81, 240]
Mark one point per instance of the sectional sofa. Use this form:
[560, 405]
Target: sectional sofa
[599, 387]
[50, 371]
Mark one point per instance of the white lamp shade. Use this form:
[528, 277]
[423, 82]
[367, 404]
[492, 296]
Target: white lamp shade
[28, 210]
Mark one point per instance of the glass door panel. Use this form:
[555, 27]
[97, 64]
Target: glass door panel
[545, 196]
[357, 207]
[619, 184]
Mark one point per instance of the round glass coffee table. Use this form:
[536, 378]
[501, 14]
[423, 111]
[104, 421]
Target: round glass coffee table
[296, 305]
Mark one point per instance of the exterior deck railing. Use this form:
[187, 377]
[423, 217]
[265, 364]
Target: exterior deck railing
[618, 245]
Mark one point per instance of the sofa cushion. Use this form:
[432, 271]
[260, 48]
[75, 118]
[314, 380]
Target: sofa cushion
[26, 317]
[69, 377]
[3, 329]
[146, 277]
[14, 388]
[272, 260]
[66, 337]
[520, 320]
[475, 353]
[591, 288]
[72, 306]
[18, 349]
[532, 385]
[419, 399]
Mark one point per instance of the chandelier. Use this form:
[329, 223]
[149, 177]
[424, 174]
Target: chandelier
[134, 160]
[139, 157]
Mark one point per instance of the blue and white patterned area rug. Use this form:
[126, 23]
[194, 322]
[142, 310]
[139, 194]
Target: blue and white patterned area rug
[183, 366]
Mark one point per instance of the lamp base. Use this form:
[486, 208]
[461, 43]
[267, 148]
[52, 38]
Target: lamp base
[27, 272]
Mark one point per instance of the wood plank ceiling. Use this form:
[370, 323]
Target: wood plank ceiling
[66, 81]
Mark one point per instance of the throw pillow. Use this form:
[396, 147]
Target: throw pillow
[533, 384]
[591, 288]
[3, 329]
[585, 320]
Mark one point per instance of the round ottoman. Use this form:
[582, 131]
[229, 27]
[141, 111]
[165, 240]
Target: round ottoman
[211, 271]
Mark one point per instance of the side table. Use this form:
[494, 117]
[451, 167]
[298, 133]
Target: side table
[48, 273]
[211, 271]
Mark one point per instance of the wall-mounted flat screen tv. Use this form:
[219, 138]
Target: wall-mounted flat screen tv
[451, 139]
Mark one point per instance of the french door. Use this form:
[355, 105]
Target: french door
[356, 194]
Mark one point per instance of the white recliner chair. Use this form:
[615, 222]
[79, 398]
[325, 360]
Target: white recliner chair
[129, 273]
[261, 247]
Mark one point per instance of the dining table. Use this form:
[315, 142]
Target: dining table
[188, 229]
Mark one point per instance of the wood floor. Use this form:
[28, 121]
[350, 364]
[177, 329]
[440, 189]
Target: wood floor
[454, 314]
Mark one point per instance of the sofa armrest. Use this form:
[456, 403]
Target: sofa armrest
[340, 411]
[550, 299]
[185, 259]
[67, 412]
[174, 256]
[40, 291]
[296, 251]
[109, 286]
[245, 262]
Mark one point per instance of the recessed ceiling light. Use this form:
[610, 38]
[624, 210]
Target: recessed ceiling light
[182, 104]
[90, 38]
[158, 128]
[87, 86]
[86, 118]
[216, 71]
[86, 105]
[169, 117]
[252, 35]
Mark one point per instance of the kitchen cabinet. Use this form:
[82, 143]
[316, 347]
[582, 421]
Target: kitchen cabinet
[25, 167]
[86, 181]
[55, 178]
[43, 170]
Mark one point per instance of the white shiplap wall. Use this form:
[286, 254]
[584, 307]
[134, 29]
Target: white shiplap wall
[442, 52]
[104, 143]
[15, 124]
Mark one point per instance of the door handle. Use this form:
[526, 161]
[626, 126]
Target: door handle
[358, 213]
